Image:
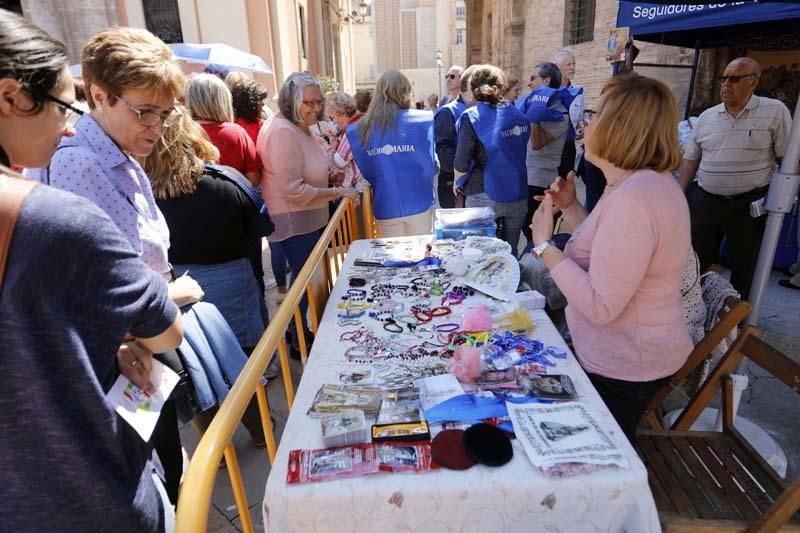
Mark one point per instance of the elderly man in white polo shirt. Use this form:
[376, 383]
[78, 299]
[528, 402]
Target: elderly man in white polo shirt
[732, 152]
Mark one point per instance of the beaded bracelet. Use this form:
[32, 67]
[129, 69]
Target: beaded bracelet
[385, 306]
[407, 320]
[393, 327]
[349, 315]
[463, 290]
[358, 354]
[348, 305]
[356, 294]
[382, 316]
[351, 336]
[452, 298]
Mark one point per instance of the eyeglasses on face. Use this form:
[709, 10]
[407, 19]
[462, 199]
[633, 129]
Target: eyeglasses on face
[148, 118]
[314, 103]
[73, 113]
[736, 79]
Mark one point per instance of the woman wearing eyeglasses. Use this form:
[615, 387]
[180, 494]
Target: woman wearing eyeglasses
[131, 82]
[295, 172]
[71, 290]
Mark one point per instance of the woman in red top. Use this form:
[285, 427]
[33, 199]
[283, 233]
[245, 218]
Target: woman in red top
[209, 102]
[248, 105]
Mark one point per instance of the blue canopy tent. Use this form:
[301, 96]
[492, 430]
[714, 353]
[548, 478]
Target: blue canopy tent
[712, 24]
[707, 25]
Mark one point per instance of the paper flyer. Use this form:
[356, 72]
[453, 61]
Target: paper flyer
[437, 389]
[139, 409]
[563, 433]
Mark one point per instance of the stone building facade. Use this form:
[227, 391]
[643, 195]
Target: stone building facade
[518, 34]
[289, 35]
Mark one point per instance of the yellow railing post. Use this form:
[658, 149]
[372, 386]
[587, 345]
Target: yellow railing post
[198, 486]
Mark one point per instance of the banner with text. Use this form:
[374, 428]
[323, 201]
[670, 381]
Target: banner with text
[645, 18]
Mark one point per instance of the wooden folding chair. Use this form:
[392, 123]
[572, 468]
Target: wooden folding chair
[730, 316]
[712, 481]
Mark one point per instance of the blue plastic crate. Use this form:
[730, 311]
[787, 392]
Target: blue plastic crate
[463, 232]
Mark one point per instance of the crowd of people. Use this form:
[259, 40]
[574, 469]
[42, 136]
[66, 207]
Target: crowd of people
[150, 201]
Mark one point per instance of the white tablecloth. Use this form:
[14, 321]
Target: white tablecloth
[514, 497]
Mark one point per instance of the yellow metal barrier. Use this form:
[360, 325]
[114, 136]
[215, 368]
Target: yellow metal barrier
[371, 228]
[195, 497]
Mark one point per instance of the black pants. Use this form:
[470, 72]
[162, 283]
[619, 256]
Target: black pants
[715, 217]
[595, 183]
[166, 439]
[445, 190]
[626, 399]
[533, 205]
[567, 158]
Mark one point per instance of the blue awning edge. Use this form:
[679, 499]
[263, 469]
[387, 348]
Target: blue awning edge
[712, 23]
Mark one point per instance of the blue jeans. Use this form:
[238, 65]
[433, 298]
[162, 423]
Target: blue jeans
[232, 288]
[509, 216]
[278, 260]
[296, 250]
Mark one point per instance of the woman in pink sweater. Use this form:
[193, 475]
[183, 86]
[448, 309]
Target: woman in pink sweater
[621, 270]
[294, 173]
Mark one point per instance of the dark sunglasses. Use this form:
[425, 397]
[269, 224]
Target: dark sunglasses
[735, 79]
[73, 113]
[449, 76]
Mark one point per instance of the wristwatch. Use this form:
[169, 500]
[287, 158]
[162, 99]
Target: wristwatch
[539, 249]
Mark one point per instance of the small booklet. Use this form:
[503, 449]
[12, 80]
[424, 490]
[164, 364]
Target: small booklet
[547, 386]
[135, 406]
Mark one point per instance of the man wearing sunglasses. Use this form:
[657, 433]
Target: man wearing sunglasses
[732, 152]
[446, 136]
[452, 80]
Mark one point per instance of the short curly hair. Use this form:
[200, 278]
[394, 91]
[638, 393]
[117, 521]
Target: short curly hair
[248, 99]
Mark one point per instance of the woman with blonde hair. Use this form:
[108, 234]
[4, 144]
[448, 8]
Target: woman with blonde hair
[490, 155]
[621, 271]
[212, 217]
[393, 147]
[210, 103]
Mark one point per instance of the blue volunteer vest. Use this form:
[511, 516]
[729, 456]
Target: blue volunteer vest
[456, 108]
[538, 105]
[504, 132]
[568, 96]
[399, 163]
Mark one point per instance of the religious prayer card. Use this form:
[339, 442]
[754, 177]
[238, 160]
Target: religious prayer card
[437, 389]
[138, 408]
[563, 433]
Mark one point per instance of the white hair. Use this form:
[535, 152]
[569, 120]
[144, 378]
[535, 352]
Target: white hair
[563, 52]
[290, 97]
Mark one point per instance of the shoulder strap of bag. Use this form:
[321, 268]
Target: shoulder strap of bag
[13, 192]
[238, 179]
